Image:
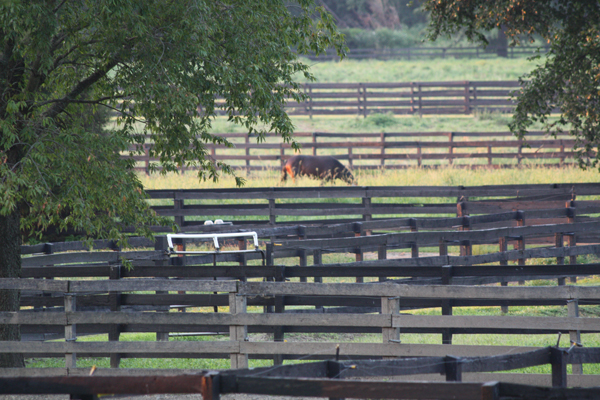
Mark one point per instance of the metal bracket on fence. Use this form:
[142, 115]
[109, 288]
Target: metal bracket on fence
[215, 237]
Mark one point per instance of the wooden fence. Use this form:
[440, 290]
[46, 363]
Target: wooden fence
[330, 378]
[402, 98]
[393, 150]
[260, 207]
[409, 53]
[405, 98]
[238, 322]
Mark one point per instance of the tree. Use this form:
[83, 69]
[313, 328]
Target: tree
[568, 80]
[162, 66]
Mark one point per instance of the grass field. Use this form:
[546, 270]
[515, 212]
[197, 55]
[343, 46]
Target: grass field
[438, 69]
[404, 177]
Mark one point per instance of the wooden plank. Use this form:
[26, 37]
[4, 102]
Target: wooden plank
[226, 319]
[31, 318]
[354, 389]
[492, 322]
[429, 291]
[396, 367]
[378, 349]
[157, 348]
[130, 285]
[510, 390]
[91, 385]
[34, 284]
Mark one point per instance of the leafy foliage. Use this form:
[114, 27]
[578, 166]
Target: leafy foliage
[162, 66]
[569, 80]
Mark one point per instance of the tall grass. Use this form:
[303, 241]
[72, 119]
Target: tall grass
[447, 176]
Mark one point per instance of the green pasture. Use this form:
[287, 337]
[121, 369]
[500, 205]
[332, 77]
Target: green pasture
[431, 70]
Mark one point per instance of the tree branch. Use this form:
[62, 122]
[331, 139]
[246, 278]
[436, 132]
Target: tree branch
[61, 104]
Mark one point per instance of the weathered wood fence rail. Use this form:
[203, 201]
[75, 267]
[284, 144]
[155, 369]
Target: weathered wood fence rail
[257, 207]
[394, 150]
[329, 378]
[238, 322]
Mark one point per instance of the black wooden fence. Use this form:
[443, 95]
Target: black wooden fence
[330, 378]
[393, 150]
[260, 207]
[403, 98]
[238, 323]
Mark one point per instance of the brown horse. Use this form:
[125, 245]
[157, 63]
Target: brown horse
[320, 167]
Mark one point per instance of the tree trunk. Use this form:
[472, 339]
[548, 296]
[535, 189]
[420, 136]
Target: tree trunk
[10, 267]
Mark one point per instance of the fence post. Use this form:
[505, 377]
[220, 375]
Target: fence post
[310, 108]
[390, 306]
[278, 331]
[365, 108]
[574, 336]
[302, 254]
[558, 360]
[521, 240]
[475, 108]
[489, 156]
[467, 99]
[382, 255]
[465, 247]
[334, 369]
[359, 96]
[502, 248]
[382, 139]
[147, 159]
[453, 367]
[211, 388]
[318, 260]
[314, 140]
[420, 100]
[178, 206]
[350, 157]
[446, 303]
[367, 213]
[242, 245]
[272, 216]
[414, 247]
[450, 148]
[571, 239]
[412, 96]
[239, 333]
[160, 243]
[358, 231]
[114, 299]
[247, 153]
[558, 243]
[70, 329]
